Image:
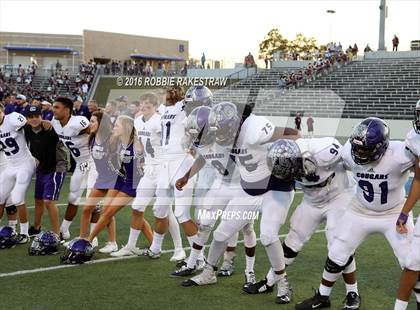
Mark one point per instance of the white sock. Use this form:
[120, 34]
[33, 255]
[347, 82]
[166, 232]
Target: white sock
[13, 224]
[417, 296]
[229, 256]
[156, 246]
[201, 256]
[400, 305]
[191, 239]
[351, 288]
[250, 260]
[192, 259]
[24, 228]
[92, 226]
[132, 238]
[273, 278]
[174, 231]
[324, 290]
[65, 225]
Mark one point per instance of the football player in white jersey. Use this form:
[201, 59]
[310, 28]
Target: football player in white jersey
[251, 137]
[201, 133]
[148, 129]
[16, 178]
[175, 163]
[325, 184]
[380, 168]
[410, 277]
[73, 131]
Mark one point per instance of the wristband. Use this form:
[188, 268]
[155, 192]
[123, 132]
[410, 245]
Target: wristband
[403, 218]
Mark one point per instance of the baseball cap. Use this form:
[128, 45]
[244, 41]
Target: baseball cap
[33, 110]
[21, 97]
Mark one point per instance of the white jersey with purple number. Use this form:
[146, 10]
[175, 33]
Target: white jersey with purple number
[330, 178]
[250, 150]
[380, 184]
[412, 142]
[219, 158]
[173, 131]
[149, 134]
[77, 144]
[12, 139]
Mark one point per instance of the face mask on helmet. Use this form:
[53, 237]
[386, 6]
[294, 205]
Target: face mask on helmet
[197, 96]
[285, 160]
[8, 237]
[79, 251]
[369, 141]
[225, 118]
[45, 243]
[416, 122]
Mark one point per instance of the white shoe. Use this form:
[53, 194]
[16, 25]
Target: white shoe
[109, 248]
[94, 242]
[126, 251]
[66, 244]
[208, 276]
[178, 255]
[65, 235]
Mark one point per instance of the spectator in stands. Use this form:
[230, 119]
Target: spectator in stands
[249, 61]
[111, 110]
[22, 105]
[266, 62]
[46, 108]
[367, 49]
[135, 108]
[355, 50]
[395, 42]
[79, 108]
[122, 105]
[203, 61]
[298, 122]
[310, 124]
[9, 104]
[92, 107]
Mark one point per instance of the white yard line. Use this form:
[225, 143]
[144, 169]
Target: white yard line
[97, 261]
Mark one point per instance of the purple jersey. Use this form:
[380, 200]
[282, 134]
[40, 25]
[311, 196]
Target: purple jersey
[102, 156]
[129, 168]
[47, 115]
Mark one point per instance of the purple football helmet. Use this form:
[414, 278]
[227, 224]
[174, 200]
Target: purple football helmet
[224, 117]
[285, 160]
[369, 140]
[198, 129]
[416, 122]
[79, 251]
[8, 237]
[45, 243]
[197, 96]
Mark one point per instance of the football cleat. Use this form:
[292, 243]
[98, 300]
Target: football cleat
[8, 237]
[149, 253]
[284, 291]
[126, 251]
[249, 278]
[95, 242]
[45, 243]
[78, 251]
[109, 248]
[316, 302]
[179, 255]
[33, 231]
[227, 269]
[208, 276]
[352, 301]
[258, 287]
[184, 271]
[22, 239]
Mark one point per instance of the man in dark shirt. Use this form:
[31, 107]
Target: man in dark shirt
[47, 113]
[298, 122]
[51, 161]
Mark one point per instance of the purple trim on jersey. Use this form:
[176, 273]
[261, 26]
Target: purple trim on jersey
[128, 184]
[48, 185]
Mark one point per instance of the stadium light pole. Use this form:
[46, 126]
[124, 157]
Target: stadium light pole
[331, 12]
[382, 17]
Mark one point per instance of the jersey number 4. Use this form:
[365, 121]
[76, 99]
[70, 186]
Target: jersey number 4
[9, 146]
[369, 193]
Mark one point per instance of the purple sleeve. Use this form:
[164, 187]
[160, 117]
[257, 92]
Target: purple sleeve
[9, 108]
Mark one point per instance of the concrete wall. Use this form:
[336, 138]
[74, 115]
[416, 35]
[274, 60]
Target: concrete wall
[385, 54]
[290, 64]
[221, 72]
[341, 127]
[98, 44]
